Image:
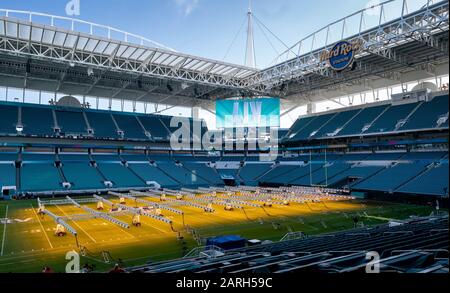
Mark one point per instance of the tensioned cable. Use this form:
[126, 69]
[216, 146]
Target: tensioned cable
[267, 38]
[234, 40]
[273, 34]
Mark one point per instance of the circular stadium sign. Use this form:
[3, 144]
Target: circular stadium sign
[341, 55]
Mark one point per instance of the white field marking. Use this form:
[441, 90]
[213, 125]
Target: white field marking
[123, 231]
[87, 234]
[42, 226]
[154, 227]
[4, 232]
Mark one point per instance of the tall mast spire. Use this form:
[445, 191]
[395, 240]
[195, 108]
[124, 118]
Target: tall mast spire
[250, 59]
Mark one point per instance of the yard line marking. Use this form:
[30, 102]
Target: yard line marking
[4, 231]
[42, 226]
[87, 234]
[157, 228]
[123, 231]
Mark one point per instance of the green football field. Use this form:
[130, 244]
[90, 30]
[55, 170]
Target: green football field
[28, 241]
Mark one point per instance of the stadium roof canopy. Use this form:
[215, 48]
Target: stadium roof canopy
[51, 58]
[61, 58]
[408, 47]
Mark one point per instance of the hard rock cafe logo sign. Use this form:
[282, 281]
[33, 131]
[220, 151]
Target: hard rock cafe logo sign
[342, 55]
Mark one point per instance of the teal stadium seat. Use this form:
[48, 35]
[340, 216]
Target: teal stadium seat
[251, 172]
[202, 170]
[432, 182]
[312, 125]
[7, 169]
[38, 121]
[71, 122]
[155, 127]
[79, 173]
[428, 114]
[8, 119]
[338, 121]
[102, 124]
[391, 178]
[130, 126]
[113, 170]
[391, 117]
[366, 116]
[181, 174]
[39, 177]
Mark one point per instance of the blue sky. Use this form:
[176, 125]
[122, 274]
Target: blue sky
[206, 27]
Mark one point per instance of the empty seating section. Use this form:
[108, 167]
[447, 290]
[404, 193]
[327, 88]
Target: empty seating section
[322, 175]
[282, 133]
[310, 174]
[181, 174]
[102, 125]
[427, 115]
[298, 125]
[389, 119]
[8, 157]
[371, 120]
[39, 173]
[7, 174]
[71, 122]
[130, 126]
[424, 156]
[336, 123]
[195, 128]
[354, 157]
[119, 175]
[167, 122]
[418, 245]
[152, 174]
[228, 173]
[312, 127]
[190, 158]
[365, 117]
[134, 158]
[79, 173]
[154, 126]
[8, 119]
[7, 170]
[278, 172]
[114, 171]
[353, 175]
[391, 178]
[251, 172]
[205, 172]
[362, 171]
[423, 173]
[434, 181]
[38, 121]
[385, 156]
[231, 159]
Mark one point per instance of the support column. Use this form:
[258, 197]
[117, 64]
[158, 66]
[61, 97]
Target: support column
[311, 108]
[196, 112]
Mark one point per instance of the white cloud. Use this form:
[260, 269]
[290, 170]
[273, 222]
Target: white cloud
[187, 6]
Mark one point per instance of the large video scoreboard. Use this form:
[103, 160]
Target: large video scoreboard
[258, 112]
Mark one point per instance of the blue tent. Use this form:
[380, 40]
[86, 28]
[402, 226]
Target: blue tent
[227, 242]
